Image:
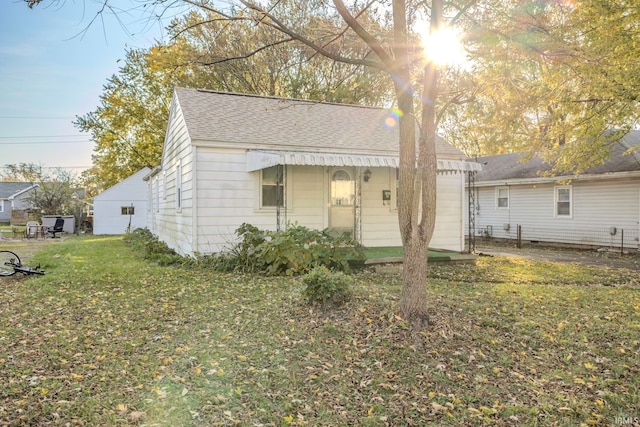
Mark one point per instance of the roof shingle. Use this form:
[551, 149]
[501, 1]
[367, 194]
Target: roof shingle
[291, 124]
[509, 166]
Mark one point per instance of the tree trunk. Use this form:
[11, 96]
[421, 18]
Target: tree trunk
[417, 221]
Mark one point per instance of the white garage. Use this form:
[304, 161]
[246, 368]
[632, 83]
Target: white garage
[121, 207]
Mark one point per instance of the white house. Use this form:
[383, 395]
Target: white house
[12, 197]
[233, 158]
[121, 207]
[597, 208]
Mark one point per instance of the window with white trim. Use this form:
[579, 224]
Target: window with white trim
[164, 185]
[563, 201]
[272, 187]
[502, 197]
[1, 206]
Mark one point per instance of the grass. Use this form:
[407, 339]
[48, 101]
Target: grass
[398, 252]
[106, 338]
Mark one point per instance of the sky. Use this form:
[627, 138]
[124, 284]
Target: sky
[52, 70]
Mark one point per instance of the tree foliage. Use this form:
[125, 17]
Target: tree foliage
[552, 77]
[205, 52]
[56, 192]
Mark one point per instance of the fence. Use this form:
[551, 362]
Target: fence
[606, 237]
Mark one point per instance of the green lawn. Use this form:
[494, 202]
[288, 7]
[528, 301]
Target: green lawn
[105, 338]
[398, 252]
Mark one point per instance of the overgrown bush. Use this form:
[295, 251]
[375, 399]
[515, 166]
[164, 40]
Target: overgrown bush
[322, 285]
[293, 251]
[152, 248]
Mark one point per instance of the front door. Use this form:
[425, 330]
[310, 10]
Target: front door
[342, 197]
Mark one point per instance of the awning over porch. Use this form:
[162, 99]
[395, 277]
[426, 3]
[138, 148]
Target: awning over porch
[259, 159]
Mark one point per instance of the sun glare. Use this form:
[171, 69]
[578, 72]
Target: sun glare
[444, 46]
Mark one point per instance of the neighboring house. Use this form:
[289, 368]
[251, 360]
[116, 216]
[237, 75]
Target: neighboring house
[595, 208]
[233, 158]
[121, 207]
[12, 197]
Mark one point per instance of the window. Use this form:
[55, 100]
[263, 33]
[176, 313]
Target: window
[164, 185]
[127, 210]
[1, 206]
[342, 189]
[179, 186]
[273, 186]
[157, 198]
[563, 201]
[502, 197]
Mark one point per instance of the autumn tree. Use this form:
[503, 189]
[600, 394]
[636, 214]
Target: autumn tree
[129, 124]
[56, 192]
[555, 78]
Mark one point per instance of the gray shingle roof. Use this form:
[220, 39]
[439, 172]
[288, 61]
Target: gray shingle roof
[8, 189]
[509, 166]
[291, 124]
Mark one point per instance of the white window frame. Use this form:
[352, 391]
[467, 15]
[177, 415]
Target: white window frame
[157, 194]
[1, 205]
[285, 189]
[498, 207]
[556, 191]
[127, 210]
[178, 188]
[164, 185]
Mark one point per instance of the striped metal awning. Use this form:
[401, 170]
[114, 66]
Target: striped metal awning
[258, 159]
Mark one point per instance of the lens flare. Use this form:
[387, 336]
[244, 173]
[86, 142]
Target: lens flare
[393, 118]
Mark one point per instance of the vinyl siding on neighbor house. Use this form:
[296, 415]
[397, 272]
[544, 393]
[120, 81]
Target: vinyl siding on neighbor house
[107, 206]
[597, 205]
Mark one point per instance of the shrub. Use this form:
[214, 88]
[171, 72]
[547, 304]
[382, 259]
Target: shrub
[293, 251]
[152, 248]
[321, 285]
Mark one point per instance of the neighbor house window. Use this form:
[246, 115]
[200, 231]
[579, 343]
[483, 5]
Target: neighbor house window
[563, 201]
[502, 197]
[272, 186]
[127, 210]
[1, 206]
[179, 186]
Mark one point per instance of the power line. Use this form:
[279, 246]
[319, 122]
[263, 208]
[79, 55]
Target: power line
[36, 118]
[45, 142]
[44, 136]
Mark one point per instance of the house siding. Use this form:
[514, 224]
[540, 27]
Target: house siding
[173, 226]
[597, 205]
[228, 196]
[107, 206]
[218, 194]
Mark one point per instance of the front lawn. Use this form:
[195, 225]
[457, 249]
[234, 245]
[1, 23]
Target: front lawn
[106, 338]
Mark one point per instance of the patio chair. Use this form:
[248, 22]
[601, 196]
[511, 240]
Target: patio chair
[57, 227]
[31, 229]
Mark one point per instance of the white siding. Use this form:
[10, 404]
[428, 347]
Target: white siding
[227, 196]
[597, 206]
[107, 206]
[170, 225]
